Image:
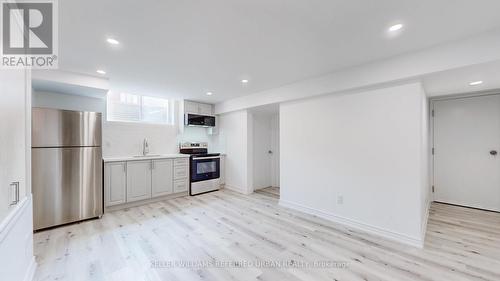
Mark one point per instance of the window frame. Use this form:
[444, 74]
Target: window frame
[170, 119]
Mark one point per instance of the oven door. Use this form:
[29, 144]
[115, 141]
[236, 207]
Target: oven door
[205, 168]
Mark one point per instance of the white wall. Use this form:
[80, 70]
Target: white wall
[426, 162]
[124, 138]
[366, 147]
[16, 222]
[235, 132]
[68, 102]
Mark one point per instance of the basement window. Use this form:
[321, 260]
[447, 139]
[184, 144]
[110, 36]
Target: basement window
[124, 107]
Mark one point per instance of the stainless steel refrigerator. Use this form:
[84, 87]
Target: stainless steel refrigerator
[66, 164]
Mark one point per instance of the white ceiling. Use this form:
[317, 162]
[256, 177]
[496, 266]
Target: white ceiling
[186, 48]
[457, 81]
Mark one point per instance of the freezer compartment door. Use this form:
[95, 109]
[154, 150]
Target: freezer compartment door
[61, 128]
[67, 185]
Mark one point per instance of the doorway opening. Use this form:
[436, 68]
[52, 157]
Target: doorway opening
[265, 150]
[466, 143]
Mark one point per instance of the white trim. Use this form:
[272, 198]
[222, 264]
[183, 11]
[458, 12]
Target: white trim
[10, 222]
[402, 238]
[425, 220]
[11, 219]
[30, 273]
[144, 202]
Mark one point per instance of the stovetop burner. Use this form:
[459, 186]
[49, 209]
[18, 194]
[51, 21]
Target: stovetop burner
[196, 149]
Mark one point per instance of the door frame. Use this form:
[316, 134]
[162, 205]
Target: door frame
[432, 100]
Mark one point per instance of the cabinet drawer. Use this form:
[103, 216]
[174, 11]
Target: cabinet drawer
[181, 161]
[180, 172]
[181, 185]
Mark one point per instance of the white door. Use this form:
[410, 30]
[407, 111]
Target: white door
[138, 180]
[262, 151]
[115, 183]
[467, 143]
[162, 178]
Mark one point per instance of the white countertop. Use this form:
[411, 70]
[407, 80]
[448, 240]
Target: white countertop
[148, 157]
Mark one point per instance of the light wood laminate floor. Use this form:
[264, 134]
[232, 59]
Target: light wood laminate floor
[461, 244]
[270, 191]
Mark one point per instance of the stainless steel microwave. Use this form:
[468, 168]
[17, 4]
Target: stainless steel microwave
[199, 120]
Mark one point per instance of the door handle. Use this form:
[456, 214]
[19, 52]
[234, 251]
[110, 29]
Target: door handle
[493, 152]
[16, 193]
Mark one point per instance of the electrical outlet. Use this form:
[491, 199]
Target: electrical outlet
[340, 199]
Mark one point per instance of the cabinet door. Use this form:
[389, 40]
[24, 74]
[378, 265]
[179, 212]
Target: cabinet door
[138, 180]
[205, 109]
[162, 177]
[115, 183]
[190, 107]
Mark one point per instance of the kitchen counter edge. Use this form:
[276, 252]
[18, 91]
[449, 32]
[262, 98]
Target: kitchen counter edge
[132, 158]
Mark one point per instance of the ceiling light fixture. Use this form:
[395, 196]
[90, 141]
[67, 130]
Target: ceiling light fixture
[209, 93]
[396, 27]
[112, 41]
[100, 71]
[475, 83]
[244, 81]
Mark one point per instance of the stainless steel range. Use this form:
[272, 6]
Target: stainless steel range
[204, 168]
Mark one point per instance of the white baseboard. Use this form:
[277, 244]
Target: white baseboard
[419, 243]
[144, 202]
[30, 272]
[237, 189]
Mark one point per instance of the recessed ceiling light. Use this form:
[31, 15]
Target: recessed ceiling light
[396, 27]
[475, 83]
[209, 93]
[100, 71]
[112, 41]
[244, 81]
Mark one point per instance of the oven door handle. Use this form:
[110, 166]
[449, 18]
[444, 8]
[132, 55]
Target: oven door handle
[202, 158]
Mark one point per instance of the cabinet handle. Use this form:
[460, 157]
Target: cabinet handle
[125, 168]
[16, 188]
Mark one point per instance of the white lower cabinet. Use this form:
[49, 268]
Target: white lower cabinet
[162, 177]
[138, 180]
[181, 185]
[115, 181]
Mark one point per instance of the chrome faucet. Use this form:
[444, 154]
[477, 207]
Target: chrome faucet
[145, 147]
